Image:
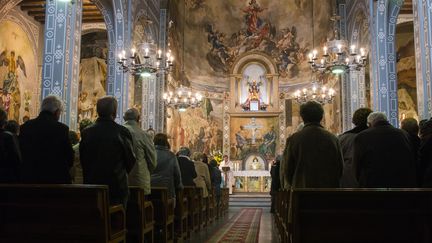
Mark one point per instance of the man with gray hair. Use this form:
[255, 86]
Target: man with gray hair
[144, 149]
[106, 152]
[383, 156]
[46, 150]
[187, 167]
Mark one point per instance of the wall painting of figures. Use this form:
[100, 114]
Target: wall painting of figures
[200, 129]
[250, 135]
[19, 86]
[218, 32]
[93, 73]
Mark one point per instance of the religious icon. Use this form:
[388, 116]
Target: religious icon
[11, 95]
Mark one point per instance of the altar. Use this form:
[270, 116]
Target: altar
[252, 181]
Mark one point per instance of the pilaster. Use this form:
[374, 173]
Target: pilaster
[60, 72]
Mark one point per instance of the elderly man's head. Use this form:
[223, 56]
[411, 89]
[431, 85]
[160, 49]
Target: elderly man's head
[53, 105]
[131, 114]
[107, 107]
[376, 117]
[311, 112]
[184, 151]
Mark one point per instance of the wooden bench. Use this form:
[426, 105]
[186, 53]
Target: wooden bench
[139, 217]
[193, 215]
[224, 204]
[210, 213]
[164, 214]
[281, 214]
[202, 205]
[362, 215]
[181, 216]
[59, 213]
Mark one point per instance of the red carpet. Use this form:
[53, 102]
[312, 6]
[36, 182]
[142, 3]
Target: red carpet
[243, 227]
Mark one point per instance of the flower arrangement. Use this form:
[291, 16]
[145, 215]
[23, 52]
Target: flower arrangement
[218, 156]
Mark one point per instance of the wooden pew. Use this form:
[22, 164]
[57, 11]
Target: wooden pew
[181, 216]
[362, 215]
[139, 217]
[284, 224]
[193, 215]
[210, 213]
[59, 213]
[224, 201]
[202, 204]
[164, 214]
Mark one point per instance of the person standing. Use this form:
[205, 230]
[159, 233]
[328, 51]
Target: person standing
[76, 171]
[383, 156]
[203, 175]
[167, 172]
[187, 167]
[228, 176]
[346, 140]
[106, 152]
[10, 155]
[275, 182]
[312, 157]
[144, 151]
[46, 150]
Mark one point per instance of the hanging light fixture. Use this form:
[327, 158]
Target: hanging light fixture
[183, 97]
[316, 90]
[337, 55]
[146, 59]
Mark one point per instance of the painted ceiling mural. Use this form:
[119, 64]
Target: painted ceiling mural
[217, 32]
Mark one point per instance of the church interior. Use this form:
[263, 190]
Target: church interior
[226, 81]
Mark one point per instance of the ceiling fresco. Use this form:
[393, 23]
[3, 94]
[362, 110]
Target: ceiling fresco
[218, 32]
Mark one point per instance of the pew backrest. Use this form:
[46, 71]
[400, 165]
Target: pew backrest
[361, 215]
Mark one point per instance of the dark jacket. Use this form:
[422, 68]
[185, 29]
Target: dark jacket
[167, 171]
[275, 182]
[10, 158]
[46, 150]
[425, 162]
[312, 159]
[187, 168]
[216, 178]
[383, 158]
[106, 156]
[346, 140]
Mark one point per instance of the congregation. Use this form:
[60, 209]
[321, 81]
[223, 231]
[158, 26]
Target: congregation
[373, 154]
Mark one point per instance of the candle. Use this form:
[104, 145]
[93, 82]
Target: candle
[315, 52]
[133, 52]
[146, 52]
[339, 48]
[310, 57]
[347, 60]
[353, 47]
[362, 52]
[159, 53]
[325, 50]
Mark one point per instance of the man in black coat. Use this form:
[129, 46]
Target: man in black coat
[10, 155]
[383, 156]
[187, 167]
[106, 152]
[46, 150]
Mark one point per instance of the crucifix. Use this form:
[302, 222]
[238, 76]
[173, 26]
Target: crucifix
[253, 127]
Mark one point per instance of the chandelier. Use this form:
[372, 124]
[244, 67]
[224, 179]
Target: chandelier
[337, 55]
[152, 61]
[182, 98]
[316, 92]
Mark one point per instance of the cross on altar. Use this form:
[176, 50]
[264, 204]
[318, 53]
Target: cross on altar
[253, 127]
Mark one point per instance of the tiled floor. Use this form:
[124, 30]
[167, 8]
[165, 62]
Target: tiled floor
[267, 233]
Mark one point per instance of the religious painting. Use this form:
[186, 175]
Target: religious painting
[199, 129]
[93, 73]
[240, 182]
[254, 184]
[253, 136]
[255, 162]
[406, 71]
[218, 32]
[18, 72]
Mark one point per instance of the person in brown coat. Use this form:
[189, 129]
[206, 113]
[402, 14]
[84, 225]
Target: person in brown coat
[312, 157]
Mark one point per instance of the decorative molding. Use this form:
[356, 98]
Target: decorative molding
[422, 10]
[383, 64]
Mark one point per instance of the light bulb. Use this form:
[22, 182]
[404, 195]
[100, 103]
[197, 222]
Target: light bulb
[325, 50]
[353, 47]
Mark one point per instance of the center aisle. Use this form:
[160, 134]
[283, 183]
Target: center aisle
[248, 220]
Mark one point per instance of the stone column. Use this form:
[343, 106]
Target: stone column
[383, 15]
[423, 47]
[61, 57]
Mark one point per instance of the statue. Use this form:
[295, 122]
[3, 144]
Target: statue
[254, 91]
[254, 101]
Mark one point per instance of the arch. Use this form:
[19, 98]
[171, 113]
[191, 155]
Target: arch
[254, 57]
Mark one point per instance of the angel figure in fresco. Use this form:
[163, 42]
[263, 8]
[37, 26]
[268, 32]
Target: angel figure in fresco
[10, 91]
[253, 22]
